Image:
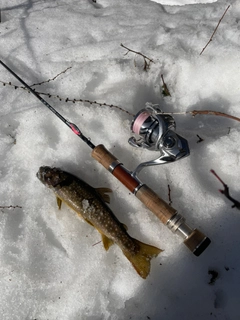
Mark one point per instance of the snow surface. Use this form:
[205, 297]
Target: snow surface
[182, 2]
[52, 266]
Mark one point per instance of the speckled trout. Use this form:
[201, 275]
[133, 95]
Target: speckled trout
[90, 204]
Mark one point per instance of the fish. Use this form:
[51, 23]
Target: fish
[90, 204]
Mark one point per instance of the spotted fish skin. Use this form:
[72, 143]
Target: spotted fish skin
[90, 204]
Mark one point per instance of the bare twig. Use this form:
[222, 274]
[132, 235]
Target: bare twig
[193, 113]
[166, 92]
[14, 139]
[199, 139]
[211, 38]
[215, 113]
[205, 112]
[225, 191]
[96, 243]
[9, 207]
[38, 84]
[147, 60]
[68, 99]
[169, 195]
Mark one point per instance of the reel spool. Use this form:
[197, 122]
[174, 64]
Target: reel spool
[156, 132]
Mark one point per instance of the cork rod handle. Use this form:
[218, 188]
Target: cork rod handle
[147, 196]
[155, 204]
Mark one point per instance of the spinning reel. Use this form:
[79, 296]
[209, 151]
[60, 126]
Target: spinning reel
[156, 131]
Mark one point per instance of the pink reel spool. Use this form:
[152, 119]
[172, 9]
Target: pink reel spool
[139, 121]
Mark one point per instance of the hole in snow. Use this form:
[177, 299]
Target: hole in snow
[182, 2]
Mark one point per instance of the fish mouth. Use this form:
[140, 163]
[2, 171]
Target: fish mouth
[42, 172]
[51, 177]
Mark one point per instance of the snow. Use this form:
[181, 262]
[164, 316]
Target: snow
[52, 266]
[181, 2]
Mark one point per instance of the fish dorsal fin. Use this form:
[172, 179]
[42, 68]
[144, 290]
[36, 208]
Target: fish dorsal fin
[106, 242]
[59, 203]
[103, 193]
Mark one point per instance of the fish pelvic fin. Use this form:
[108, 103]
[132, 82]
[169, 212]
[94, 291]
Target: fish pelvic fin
[59, 203]
[106, 242]
[141, 261]
[103, 193]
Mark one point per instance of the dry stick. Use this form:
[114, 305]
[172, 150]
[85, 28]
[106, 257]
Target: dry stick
[193, 113]
[86, 101]
[169, 195]
[215, 30]
[9, 207]
[67, 99]
[38, 84]
[215, 113]
[166, 91]
[146, 64]
[236, 204]
[96, 243]
[199, 139]
[205, 112]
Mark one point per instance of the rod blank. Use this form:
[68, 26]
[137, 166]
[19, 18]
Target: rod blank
[71, 125]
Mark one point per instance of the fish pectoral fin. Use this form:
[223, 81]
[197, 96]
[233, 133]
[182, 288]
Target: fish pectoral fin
[142, 259]
[59, 203]
[88, 221]
[103, 193]
[106, 242]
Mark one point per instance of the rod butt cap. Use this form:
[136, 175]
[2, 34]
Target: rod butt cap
[197, 242]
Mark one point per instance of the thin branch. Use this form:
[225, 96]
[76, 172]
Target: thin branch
[9, 207]
[211, 38]
[169, 195]
[215, 113]
[225, 191]
[199, 139]
[96, 243]
[68, 99]
[193, 113]
[205, 112]
[166, 92]
[38, 84]
[147, 60]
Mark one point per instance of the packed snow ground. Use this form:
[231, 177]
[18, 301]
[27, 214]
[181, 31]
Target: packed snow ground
[52, 266]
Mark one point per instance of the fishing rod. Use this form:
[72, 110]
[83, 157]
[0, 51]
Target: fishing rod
[194, 239]
[71, 125]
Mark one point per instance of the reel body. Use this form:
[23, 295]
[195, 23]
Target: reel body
[156, 132]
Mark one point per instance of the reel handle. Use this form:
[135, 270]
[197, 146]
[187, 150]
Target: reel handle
[195, 240]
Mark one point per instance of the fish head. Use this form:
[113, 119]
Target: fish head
[51, 177]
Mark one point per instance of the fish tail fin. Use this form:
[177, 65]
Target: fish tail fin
[141, 261]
